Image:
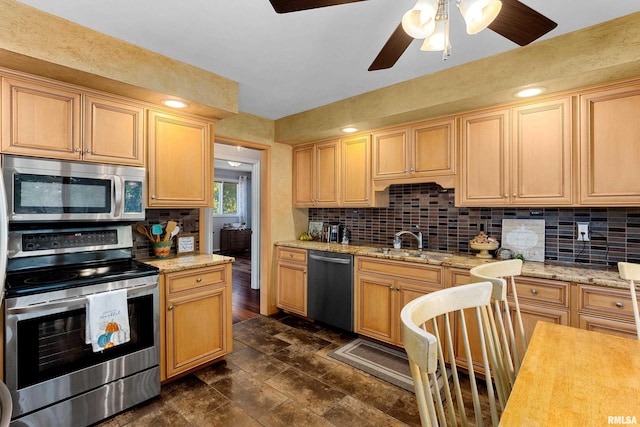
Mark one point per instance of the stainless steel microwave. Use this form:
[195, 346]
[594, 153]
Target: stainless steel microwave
[56, 190]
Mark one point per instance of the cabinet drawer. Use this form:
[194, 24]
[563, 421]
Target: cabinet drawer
[292, 255]
[540, 291]
[400, 269]
[610, 301]
[197, 278]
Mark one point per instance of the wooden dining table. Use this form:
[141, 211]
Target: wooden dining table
[575, 377]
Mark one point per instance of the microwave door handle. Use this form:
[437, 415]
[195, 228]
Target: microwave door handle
[78, 301]
[117, 191]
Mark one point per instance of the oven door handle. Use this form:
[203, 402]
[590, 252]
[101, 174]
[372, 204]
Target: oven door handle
[71, 302]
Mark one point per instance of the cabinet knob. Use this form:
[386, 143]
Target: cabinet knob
[88, 151]
[170, 308]
[397, 289]
[618, 304]
[412, 169]
[534, 291]
[153, 197]
[506, 195]
[291, 255]
[199, 280]
[77, 149]
[391, 287]
[366, 199]
[406, 171]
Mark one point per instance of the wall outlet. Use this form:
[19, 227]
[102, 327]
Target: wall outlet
[582, 231]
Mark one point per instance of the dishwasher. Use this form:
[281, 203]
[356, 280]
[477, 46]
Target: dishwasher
[330, 288]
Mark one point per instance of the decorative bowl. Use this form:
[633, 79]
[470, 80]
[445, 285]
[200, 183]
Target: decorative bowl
[484, 249]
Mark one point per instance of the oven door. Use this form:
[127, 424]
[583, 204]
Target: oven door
[47, 360]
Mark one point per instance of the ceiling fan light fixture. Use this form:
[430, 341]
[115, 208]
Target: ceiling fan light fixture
[438, 41]
[478, 14]
[419, 22]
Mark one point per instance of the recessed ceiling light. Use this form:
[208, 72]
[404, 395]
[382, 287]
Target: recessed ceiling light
[349, 130]
[234, 164]
[174, 103]
[531, 91]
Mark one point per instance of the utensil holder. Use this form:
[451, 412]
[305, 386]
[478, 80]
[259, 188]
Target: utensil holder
[162, 249]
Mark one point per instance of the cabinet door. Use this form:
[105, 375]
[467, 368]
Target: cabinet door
[608, 326]
[303, 176]
[113, 131]
[531, 315]
[328, 174]
[408, 291]
[197, 328]
[180, 161]
[484, 173]
[391, 154]
[40, 120]
[542, 154]
[610, 147]
[433, 148]
[356, 171]
[376, 314]
[292, 287]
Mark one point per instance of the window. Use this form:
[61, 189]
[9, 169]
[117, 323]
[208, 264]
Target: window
[225, 198]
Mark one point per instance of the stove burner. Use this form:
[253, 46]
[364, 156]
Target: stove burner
[51, 278]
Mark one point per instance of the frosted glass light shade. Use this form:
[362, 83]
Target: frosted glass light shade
[478, 14]
[436, 41]
[419, 22]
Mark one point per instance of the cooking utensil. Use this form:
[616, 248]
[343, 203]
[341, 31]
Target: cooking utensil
[174, 232]
[156, 230]
[143, 230]
[171, 225]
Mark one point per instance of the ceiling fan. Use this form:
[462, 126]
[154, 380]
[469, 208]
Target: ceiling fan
[509, 18]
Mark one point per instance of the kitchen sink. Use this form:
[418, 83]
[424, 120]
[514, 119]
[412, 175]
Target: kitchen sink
[438, 256]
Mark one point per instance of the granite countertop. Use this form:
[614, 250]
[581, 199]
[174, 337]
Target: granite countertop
[605, 276]
[187, 262]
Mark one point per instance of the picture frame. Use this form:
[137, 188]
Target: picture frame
[186, 245]
[315, 229]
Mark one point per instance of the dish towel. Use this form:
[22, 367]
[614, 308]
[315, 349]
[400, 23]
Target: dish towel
[107, 323]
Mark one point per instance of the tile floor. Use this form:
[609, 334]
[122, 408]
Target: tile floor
[278, 374]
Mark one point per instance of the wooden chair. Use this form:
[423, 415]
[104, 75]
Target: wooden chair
[631, 272]
[496, 272]
[426, 352]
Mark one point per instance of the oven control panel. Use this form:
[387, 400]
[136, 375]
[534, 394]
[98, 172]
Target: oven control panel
[69, 239]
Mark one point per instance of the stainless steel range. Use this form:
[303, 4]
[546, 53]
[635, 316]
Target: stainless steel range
[54, 377]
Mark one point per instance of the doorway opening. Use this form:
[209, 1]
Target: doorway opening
[232, 226]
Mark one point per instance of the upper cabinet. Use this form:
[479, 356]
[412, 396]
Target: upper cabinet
[316, 175]
[423, 150]
[610, 146]
[114, 131]
[517, 156]
[43, 119]
[40, 119]
[180, 161]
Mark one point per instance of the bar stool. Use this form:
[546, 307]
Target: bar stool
[631, 272]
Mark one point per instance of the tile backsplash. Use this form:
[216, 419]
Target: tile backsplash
[615, 231]
[188, 220]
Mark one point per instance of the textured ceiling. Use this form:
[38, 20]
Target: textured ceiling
[289, 63]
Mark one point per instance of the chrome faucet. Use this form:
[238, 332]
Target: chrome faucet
[418, 236]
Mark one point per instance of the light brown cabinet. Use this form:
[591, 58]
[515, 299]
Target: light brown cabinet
[425, 149]
[114, 131]
[610, 146]
[292, 280]
[356, 172]
[383, 288]
[539, 300]
[316, 175]
[180, 161]
[195, 318]
[518, 156]
[43, 119]
[606, 310]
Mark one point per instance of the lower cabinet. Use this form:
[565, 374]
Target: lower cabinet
[539, 299]
[195, 317]
[606, 310]
[292, 280]
[383, 288]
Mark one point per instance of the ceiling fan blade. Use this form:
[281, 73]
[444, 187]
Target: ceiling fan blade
[286, 6]
[392, 50]
[521, 24]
